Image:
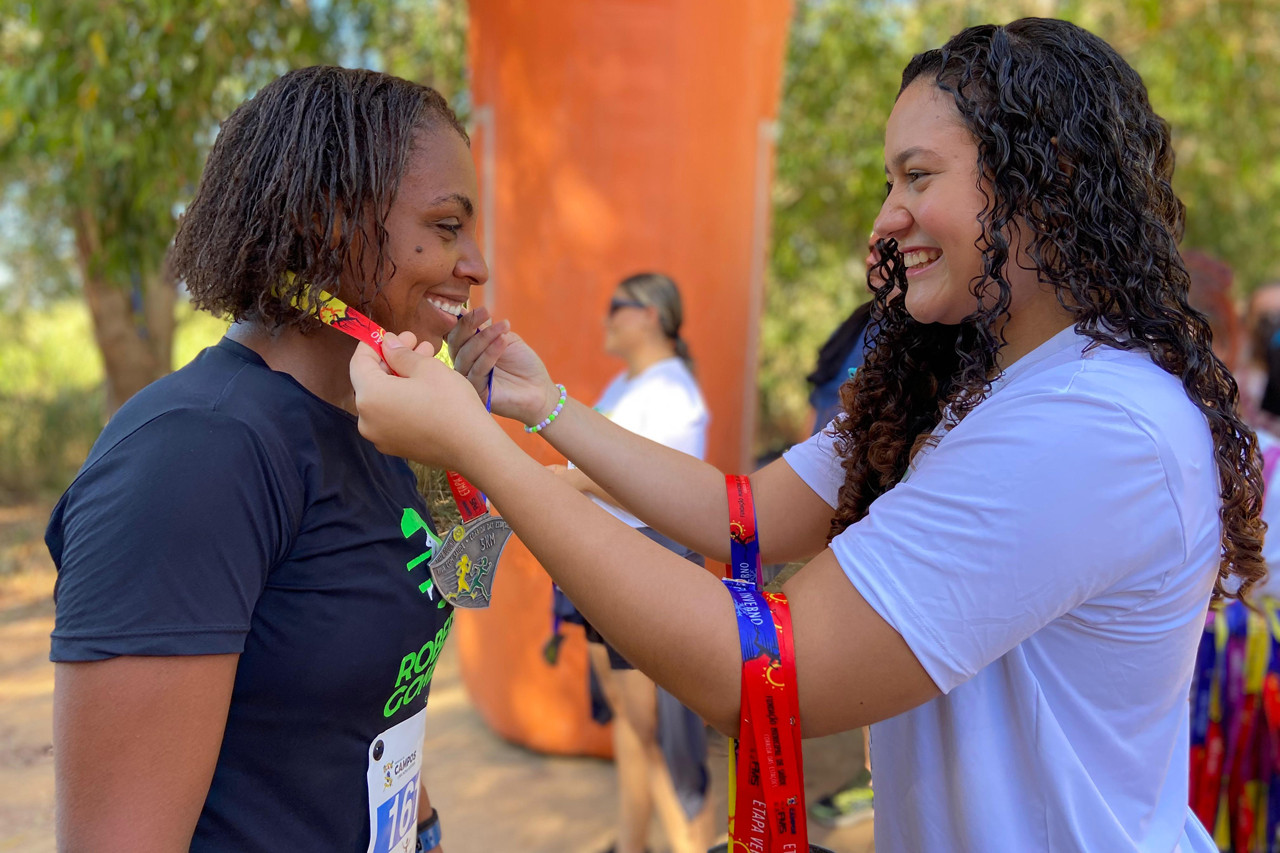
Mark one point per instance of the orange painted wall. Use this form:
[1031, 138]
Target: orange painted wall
[613, 137]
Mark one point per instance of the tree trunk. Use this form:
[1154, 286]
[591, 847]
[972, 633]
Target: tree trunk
[136, 342]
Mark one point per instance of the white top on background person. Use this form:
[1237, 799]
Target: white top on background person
[661, 403]
[1041, 561]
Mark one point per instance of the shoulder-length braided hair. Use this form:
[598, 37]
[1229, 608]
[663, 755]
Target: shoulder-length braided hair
[296, 191]
[1073, 158]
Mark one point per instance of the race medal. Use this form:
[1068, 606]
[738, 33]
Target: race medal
[463, 566]
[462, 569]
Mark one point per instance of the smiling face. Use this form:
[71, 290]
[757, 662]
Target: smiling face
[432, 240]
[934, 204]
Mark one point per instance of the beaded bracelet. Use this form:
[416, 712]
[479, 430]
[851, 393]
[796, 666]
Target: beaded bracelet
[555, 413]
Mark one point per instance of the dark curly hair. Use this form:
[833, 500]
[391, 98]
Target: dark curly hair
[1071, 154]
[318, 153]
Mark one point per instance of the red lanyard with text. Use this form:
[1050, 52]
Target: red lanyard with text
[766, 777]
[465, 561]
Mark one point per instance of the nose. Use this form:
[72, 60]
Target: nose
[471, 265]
[894, 219]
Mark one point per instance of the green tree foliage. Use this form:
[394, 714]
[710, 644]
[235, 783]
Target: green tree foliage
[1210, 66]
[424, 41]
[106, 111]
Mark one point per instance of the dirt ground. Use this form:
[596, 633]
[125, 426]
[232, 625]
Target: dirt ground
[491, 795]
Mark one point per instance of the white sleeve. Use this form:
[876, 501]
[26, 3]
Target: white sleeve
[1021, 513]
[817, 463]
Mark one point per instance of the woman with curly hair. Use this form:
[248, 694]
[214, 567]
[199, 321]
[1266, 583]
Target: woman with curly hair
[1038, 484]
[245, 630]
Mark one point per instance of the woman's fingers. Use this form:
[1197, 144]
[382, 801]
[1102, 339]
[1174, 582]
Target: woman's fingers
[465, 356]
[485, 361]
[408, 338]
[366, 365]
[468, 324]
[398, 351]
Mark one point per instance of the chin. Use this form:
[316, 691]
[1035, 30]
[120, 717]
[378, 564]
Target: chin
[926, 310]
[435, 336]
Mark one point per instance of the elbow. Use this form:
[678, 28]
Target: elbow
[724, 717]
[727, 726]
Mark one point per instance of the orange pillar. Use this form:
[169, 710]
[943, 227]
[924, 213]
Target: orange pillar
[613, 137]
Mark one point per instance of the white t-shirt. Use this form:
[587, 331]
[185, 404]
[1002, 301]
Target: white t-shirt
[661, 403]
[1049, 563]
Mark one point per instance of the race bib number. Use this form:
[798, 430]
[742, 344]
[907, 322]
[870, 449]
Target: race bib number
[395, 765]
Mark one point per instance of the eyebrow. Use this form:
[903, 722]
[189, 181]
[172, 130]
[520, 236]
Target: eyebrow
[459, 199]
[905, 155]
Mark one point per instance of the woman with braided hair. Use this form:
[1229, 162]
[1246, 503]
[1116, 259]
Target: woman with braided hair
[1014, 531]
[246, 631]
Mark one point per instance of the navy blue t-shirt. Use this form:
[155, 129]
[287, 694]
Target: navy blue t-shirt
[226, 509]
[825, 397]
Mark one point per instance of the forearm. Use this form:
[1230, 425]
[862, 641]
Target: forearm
[674, 621]
[424, 802]
[424, 811]
[638, 474]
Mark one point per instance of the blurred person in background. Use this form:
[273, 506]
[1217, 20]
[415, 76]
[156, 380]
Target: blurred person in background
[1235, 692]
[242, 659]
[1259, 372]
[659, 745]
[838, 360]
[841, 355]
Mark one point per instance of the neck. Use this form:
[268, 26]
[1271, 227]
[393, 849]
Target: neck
[649, 354]
[319, 361]
[1036, 322]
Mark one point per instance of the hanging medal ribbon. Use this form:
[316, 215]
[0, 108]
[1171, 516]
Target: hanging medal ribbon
[463, 566]
[744, 546]
[766, 778]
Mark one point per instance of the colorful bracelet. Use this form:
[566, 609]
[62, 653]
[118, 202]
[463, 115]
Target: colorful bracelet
[555, 413]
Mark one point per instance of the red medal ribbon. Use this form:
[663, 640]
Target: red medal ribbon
[767, 809]
[744, 547]
[471, 503]
[336, 313]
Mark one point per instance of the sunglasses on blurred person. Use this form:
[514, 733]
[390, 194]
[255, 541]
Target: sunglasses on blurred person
[616, 305]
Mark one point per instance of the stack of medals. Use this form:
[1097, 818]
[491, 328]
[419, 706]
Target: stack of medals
[464, 563]
[766, 779]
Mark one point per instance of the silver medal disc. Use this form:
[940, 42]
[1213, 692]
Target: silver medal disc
[464, 565]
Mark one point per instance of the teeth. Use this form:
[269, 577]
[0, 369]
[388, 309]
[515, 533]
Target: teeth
[920, 258]
[447, 306]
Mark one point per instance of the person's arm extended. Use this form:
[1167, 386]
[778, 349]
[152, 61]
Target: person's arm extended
[638, 473]
[135, 744]
[675, 622]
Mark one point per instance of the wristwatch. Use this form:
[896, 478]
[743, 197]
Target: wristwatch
[429, 834]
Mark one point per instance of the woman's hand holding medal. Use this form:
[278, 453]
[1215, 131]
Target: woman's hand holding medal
[521, 387]
[424, 411]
